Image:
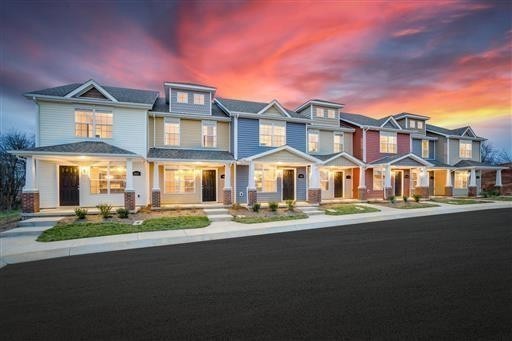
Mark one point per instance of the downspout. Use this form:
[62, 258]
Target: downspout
[235, 132]
[448, 151]
[154, 130]
[364, 143]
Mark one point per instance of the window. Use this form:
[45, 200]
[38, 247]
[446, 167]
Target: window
[319, 112]
[387, 142]
[265, 178]
[412, 123]
[108, 179]
[209, 134]
[378, 179]
[172, 131]
[424, 148]
[272, 133]
[324, 180]
[465, 149]
[420, 125]
[331, 113]
[414, 178]
[461, 179]
[93, 123]
[199, 99]
[179, 181]
[313, 141]
[338, 142]
[182, 97]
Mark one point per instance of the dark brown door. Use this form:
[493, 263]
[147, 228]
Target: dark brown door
[431, 183]
[209, 185]
[398, 183]
[288, 184]
[338, 185]
[69, 186]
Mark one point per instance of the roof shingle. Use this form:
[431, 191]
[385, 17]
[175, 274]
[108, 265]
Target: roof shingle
[84, 147]
[190, 154]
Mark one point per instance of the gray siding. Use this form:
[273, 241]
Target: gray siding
[325, 120]
[302, 184]
[190, 107]
[454, 151]
[242, 180]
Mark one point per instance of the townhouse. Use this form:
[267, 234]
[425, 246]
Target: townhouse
[130, 147]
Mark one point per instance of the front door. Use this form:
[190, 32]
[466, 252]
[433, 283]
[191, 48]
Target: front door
[288, 184]
[431, 183]
[69, 186]
[209, 185]
[338, 185]
[398, 183]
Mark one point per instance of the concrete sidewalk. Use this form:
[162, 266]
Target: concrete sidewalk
[17, 246]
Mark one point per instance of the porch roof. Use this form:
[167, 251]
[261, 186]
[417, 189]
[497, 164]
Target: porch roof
[401, 159]
[270, 155]
[468, 164]
[189, 154]
[328, 158]
[90, 148]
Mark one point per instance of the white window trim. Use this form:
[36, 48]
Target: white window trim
[381, 180]
[470, 143]
[213, 123]
[333, 112]
[109, 165]
[199, 96]
[412, 124]
[262, 167]
[93, 122]
[317, 133]
[465, 173]
[173, 120]
[423, 142]
[176, 169]
[178, 93]
[317, 110]
[419, 124]
[273, 124]
[341, 135]
[388, 134]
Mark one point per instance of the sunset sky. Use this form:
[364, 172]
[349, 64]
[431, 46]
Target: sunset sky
[451, 61]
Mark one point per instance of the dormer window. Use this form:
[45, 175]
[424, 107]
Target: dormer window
[331, 113]
[199, 99]
[420, 125]
[412, 124]
[319, 112]
[182, 97]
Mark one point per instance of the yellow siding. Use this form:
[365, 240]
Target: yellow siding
[282, 156]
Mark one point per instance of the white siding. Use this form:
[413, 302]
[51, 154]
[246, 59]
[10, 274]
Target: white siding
[47, 182]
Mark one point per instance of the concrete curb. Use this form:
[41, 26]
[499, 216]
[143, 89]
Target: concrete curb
[159, 238]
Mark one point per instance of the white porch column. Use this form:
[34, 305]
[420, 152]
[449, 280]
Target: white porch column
[315, 177]
[156, 177]
[472, 178]
[362, 178]
[251, 184]
[227, 176]
[448, 178]
[424, 177]
[129, 175]
[30, 174]
[498, 178]
[387, 177]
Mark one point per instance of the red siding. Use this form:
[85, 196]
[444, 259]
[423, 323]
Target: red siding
[370, 193]
[404, 143]
[358, 143]
[373, 145]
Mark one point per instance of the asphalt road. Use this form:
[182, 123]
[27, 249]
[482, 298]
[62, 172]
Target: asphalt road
[440, 277]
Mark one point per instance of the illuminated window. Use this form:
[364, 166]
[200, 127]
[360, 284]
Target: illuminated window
[265, 178]
[199, 99]
[272, 133]
[324, 179]
[313, 141]
[378, 179]
[387, 142]
[424, 148]
[209, 134]
[319, 112]
[461, 179]
[420, 125]
[93, 123]
[172, 131]
[179, 181]
[108, 179]
[182, 97]
[414, 178]
[412, 123]
[331, 113]
[338, 142]
[465, 149]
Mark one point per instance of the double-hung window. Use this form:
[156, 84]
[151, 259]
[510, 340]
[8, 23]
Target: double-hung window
[378, 179]
[465, 149]
[331, 113]
[182, 97]
[324, 179]
[461, 179]
[338, 142]
[93, 123]
[209, 134]
[172, 131]
[313, 141]
[387, 142]
[108, 178]
[179, 181]
[265, 178]
[419, 125]
[424, 149]
[199, 99]
[319, 112]
[412, 124]
[272, 133]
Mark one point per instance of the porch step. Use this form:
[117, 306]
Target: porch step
[220, 217]
[39, 221]
[218, 214]
[311, 210]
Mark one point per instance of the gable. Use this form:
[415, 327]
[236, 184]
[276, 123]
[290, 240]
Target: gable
[469, 133]
[341, 161]
[391, 123]
[281, 156]
[408, 161]
[273, 110]
[93, 93]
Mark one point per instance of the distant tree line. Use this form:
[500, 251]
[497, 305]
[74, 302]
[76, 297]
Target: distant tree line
[12, 168]
[491, 155]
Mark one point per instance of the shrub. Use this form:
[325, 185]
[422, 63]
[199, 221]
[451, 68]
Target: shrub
[417, 197]
[122, 213]
[256, 207]
[290, 204]
[105, 210]
[392, 199]
[273, 206]
[80, 212]
[405, 198]
[236, 206]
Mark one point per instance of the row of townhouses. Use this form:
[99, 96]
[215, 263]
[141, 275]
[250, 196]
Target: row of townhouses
[102, 144]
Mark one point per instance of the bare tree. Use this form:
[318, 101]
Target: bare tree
[505, 156]
[488, 153]
[12, 169]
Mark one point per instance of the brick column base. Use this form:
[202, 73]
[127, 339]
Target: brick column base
[448, 191]
[498, 189]
[314, 195]
[30, 202]
[252, 197]
[129, 200]
[388, 192]
[422, 191]
[361, 193]
[155, 198]
[226, 196]
[472, 191]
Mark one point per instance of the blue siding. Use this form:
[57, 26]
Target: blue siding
[242, 180]
[190, 107]
[416, 148]
[302, 184]
[431, 150]
[249, 138]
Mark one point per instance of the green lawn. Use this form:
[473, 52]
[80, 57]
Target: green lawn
[459, 201]
[9, 215]
[85, 230]
[410, 205]
[500, 198]
[349, 209]
[266, 219]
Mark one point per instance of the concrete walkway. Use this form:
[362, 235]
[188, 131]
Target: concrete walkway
[20, 245]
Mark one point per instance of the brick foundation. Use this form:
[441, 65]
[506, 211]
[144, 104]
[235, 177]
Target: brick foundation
[361, 193]
[252, 197]
[30, 202]
[448, 191]
[472, 191]
[129, 200]
[155, 198]
[388, 192]
[226, 196]
[314, 195]
[422, 191]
